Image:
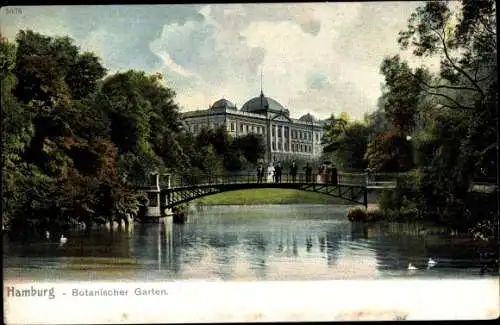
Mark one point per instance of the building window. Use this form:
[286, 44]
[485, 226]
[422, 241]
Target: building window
[286, 132]
[273, 132]
[274, 145]
[232, 126]
[253, 128]
[246, 127]
[241, 127]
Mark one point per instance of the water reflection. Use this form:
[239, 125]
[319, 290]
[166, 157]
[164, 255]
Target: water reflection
[266, 243]
[309, 243]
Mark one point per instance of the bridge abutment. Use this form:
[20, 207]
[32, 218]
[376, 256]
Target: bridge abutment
[166, 198]
[153, 194]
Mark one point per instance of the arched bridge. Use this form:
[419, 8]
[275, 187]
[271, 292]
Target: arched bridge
[348, 186]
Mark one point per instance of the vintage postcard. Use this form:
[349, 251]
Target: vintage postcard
[250, 162]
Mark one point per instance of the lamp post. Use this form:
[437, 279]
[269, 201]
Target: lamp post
[268, 138]
[311, 123]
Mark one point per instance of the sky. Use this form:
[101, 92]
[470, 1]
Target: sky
[318, 58]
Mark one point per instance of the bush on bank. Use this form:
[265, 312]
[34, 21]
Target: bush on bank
[360, 214]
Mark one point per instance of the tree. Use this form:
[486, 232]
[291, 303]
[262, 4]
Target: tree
[346, 142]
[389, 152]
[251, 146]
[17, 130]
[466, 45]
[462, 104]
[402, 93]
[334, 130]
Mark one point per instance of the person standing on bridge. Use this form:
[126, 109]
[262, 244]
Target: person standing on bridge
[308, 170]
[293, 170]
[260, 173]
[277, 172]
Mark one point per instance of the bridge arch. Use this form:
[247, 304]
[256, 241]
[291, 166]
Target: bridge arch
[175, 196]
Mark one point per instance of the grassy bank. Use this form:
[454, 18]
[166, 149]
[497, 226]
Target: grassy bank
[268, 196]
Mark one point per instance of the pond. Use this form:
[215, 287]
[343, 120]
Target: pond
[244, 243]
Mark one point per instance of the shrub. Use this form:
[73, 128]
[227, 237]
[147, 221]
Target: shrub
[357, 214]
[374, 215]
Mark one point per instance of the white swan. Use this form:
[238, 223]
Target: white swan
[431, 263]
[63, 239]
[47, 234]
[411, 267]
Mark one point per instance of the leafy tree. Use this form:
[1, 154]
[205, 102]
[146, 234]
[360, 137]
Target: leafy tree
[17, 130]
[454, 112]
[468, 77]
[402, 93]
[252, 147]
[333, 131]
[389, 152]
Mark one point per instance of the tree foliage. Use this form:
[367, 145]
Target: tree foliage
[74, 139]
[453, 112]
[442, 124]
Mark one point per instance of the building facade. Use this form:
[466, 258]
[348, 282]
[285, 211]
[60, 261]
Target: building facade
[284, 137]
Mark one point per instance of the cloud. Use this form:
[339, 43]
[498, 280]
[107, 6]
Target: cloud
[321, 58]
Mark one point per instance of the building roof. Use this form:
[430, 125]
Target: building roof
[263, 104]
[223, 103]
[308, 118]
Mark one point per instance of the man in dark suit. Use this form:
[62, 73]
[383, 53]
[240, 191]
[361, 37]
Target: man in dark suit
[293, 170]
[277, 171]
[260, 173]
[308, 170]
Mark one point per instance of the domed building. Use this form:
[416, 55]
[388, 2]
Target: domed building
[223, 104]
[285, 137]
[263, 105]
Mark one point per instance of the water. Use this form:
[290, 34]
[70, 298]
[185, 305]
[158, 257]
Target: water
[241, 243]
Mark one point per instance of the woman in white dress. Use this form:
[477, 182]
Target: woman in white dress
[270, 173]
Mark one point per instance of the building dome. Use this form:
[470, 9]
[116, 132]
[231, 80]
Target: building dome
[223, 103]
[308, 118]
[262, 105]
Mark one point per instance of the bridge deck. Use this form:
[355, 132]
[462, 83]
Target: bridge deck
[369, 185]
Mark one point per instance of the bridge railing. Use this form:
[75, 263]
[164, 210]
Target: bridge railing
[301, 177]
